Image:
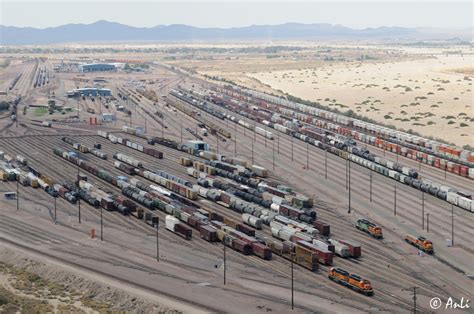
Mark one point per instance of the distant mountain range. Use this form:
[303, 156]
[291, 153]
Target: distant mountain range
[102, 31]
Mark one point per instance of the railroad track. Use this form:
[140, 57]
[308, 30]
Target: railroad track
[280, 266]
[410, 196]
[401, 275]
[373, 147]
[92, 270]
[253, 261]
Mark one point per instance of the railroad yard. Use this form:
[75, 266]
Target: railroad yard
[200, 196]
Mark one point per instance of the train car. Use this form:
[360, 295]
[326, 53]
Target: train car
[370, 228]
[352, 281]
[420, 243]
[264, 133]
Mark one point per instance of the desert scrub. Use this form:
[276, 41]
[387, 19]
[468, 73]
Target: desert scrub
[451, 122]
[12, 303]
[89, 302]
[462, 124]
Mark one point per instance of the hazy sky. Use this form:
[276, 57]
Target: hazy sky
[226, 13]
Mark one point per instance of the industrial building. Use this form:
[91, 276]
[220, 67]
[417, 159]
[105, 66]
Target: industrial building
[89, 91]
[97, 67]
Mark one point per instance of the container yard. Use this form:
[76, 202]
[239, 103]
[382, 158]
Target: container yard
[212, 197]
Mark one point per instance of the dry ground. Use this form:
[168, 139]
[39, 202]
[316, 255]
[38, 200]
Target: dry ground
[422, 89]
[424, 95]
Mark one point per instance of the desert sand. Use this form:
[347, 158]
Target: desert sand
[432, 96]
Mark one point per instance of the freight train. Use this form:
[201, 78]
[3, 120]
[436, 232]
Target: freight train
[345, 147]
[454, 159]
[13, 83]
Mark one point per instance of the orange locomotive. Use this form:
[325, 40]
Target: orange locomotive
[352, 281]
[421, 243]
[369, 227]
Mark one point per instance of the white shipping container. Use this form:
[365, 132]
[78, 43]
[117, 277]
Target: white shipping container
[339, 248]
[464, 203]
[171, 222]
[452, 197]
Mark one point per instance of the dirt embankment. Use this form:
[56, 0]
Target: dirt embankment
[27, 285]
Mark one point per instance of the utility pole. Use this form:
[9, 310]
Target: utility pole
[157, 241]
[101, 225]
[273, 152]
[144, 113]
[292, 284]
[55, 217]
[217, 141]
[162, 125]
[349, 186]
[252, 152]
[265, 127]
[181, 127]
[326, 163]
[395, 200]
[79, 198]
[347, 175]
[414, 300]
[235, 139]
[422, 210]
[292, 148]
[278, 143]
[452, 224]
[254, 133]
[427, 222]
[370, 186]
[17, 196]
[225, 265]
[307, 155]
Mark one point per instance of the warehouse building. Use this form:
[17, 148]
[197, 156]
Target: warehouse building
[89, 92]
[97, 67]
